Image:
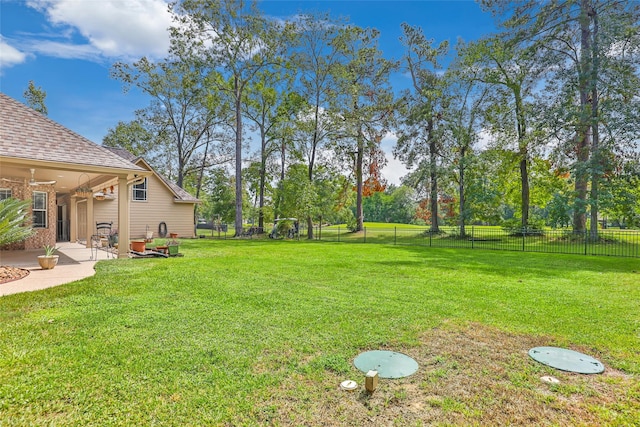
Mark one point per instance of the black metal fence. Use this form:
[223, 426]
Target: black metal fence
[620, 243]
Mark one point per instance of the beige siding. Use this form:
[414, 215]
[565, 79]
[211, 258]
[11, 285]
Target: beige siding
[106, 210]
[81, 215]
[160, 206]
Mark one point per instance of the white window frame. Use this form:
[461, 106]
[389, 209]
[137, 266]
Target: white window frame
[44, 209]
[141, 190]
[5, 193]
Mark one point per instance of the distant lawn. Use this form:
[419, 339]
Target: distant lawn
[261, 332]
[611, 242]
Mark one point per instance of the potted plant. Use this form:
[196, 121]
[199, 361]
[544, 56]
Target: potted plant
[138, 245]
[49, 259]
[173, 247]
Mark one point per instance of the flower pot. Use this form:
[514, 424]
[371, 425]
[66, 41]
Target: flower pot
[173, 235]
[138, 245]
[47, 262]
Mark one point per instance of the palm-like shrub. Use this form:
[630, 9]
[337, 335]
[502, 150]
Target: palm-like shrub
[14, 224]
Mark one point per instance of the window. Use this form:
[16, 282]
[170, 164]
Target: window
[5, 193]
[140, 191]
[39, 208]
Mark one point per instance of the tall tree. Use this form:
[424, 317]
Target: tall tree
[512, 69]
[289, 110]
[366, 102]
[267, 106]
[420, 136]
[316, 57]
[236, 42]
[137, 138]
[462, 126]
[593, 49]
[35, 97]
[182, 110]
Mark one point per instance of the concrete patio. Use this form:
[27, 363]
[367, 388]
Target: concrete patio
[74, 264]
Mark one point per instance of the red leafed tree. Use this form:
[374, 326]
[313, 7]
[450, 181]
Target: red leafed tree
[375, 183]
[423, 212]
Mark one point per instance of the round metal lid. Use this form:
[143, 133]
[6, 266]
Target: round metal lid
[566, 360]
[348, 385]
[389, 364]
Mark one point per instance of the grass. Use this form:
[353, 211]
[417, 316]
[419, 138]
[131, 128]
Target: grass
[260, 332]
[612, 242]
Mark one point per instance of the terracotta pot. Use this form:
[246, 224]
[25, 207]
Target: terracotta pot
[47, 262]
[138, 245]
[173, 235]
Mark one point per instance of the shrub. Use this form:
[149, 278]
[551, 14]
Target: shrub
[14, 224]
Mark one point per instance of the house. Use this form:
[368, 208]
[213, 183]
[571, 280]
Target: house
[157, 205]
[63, 173]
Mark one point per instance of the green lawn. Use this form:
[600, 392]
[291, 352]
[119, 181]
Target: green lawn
[612, 242]
[261, 332]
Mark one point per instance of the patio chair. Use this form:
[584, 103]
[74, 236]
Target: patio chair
[101, 239]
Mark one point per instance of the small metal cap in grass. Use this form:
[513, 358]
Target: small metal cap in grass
[348, 385]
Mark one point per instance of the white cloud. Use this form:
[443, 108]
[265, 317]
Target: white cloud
[394, 169]
[484, 139]
[112, 28]
[9, 55]
[62, 50]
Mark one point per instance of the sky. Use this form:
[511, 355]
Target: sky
[67, 48]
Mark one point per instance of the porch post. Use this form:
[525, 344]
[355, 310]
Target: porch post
[90, 222]
[123, 218]
[73, 219]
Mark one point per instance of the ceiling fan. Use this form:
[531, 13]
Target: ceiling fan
[33, 181]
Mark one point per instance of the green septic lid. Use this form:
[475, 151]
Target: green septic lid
[566, 360]
[389, 364]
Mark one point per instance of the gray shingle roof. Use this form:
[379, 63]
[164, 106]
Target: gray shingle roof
[27, 134]
[180, 193]
[124, 153]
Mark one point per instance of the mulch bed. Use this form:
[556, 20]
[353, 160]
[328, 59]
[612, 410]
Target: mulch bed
[9, 274]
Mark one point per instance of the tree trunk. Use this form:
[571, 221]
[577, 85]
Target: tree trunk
[238, 218]
[276, 207]
[312, 161]
[359, 183]
[595, 135]
[263, 173]
[524, 179]
[199, 183]
[584, 122]
[461, 205]
[523, 152]
[433, 175]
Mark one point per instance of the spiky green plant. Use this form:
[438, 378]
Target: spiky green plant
[14, 221]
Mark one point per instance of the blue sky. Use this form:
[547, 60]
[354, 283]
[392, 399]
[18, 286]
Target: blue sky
[68, 46]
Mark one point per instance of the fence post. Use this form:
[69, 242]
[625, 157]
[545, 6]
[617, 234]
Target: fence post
[472, 237]
[524, 235]
[395, 235]
[365, 234]
[585, 242]
[430, 237]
